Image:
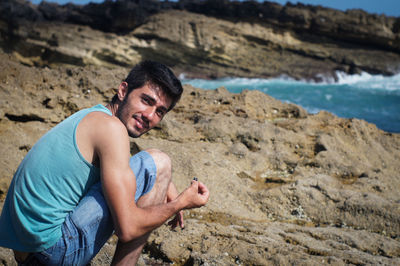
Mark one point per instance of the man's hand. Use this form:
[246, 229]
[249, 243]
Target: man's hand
[195, 196]
[177, 221]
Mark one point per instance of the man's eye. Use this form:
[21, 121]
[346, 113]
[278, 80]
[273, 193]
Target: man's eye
[160, 113]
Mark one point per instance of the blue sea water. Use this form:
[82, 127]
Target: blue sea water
[374, 98]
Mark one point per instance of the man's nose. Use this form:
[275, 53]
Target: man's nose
[149, 113]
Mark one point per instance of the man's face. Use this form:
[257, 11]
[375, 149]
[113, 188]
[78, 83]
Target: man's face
[142, 109]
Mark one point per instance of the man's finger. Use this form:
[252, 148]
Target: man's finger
[181, 220]
[202, 188]
[194, 183]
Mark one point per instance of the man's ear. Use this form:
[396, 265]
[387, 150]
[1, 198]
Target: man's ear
[122, 90]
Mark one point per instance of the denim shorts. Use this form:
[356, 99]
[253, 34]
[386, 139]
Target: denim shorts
[90, 225]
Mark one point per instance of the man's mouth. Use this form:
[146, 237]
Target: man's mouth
[140, 123]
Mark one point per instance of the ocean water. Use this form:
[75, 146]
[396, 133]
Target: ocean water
[374, 98]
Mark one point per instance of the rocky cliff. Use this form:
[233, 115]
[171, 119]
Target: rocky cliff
[286, 187]
[204, 38]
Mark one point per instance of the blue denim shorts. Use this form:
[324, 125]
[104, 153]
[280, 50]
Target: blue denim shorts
[90, 225]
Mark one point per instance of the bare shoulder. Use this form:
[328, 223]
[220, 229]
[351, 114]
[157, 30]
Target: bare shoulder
[105, 121]
[100, 134]
[101, 128]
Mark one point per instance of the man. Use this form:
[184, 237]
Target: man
[78, 183]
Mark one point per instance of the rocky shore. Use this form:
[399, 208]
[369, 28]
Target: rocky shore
[287, 187]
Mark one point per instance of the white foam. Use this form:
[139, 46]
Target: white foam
[368, 81]
[360, 81]
[328, 97]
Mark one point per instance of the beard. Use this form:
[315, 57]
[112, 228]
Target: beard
[123, 116]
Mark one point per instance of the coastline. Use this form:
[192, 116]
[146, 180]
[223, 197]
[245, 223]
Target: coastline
[373, 98]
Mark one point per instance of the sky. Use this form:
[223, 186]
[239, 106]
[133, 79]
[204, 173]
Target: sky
[387, 7]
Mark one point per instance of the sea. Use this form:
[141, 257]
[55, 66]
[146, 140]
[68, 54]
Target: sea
[374, 98]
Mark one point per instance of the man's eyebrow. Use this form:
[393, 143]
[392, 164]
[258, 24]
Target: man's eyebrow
[148, 97]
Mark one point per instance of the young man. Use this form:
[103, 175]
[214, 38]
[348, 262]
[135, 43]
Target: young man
[78, 184]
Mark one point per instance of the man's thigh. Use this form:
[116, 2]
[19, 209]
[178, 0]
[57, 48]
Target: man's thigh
[84, 232]
[90, 225]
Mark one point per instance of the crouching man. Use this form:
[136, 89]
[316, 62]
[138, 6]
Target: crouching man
[79, 184]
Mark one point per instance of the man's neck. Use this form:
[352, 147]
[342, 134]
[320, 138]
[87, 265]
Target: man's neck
[112, 107]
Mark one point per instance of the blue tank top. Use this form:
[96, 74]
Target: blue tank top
[48, 184]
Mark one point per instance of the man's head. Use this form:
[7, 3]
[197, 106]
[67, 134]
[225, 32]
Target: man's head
[156, 74]
[146, 95]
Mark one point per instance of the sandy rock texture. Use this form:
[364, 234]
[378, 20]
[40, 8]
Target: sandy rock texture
[287, 187]
[208, 39]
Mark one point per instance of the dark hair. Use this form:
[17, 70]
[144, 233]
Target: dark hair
[157, 74]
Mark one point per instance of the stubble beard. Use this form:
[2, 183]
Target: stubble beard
[120, 115]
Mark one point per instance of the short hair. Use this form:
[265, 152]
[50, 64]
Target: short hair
[158, 74]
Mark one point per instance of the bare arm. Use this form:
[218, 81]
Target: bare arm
[172, 194]
[111, 143]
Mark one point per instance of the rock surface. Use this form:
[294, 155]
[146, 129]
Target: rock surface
[208, 39]
[287, 187]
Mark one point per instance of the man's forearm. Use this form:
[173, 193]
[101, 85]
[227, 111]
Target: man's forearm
[139, 221]
[146, 219]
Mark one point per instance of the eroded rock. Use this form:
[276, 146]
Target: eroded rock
[208, 39]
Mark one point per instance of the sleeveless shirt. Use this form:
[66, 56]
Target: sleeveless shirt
[48, 184]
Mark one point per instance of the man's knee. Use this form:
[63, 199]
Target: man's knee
[162, 161]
